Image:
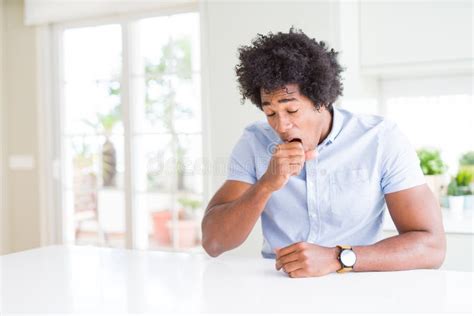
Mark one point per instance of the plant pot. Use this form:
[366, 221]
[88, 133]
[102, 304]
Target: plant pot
[187, 232]
[469, 202]
[456, 204]
[160, 227]
[445, 201]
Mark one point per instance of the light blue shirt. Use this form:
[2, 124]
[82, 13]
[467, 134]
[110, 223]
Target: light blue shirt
[338, 198]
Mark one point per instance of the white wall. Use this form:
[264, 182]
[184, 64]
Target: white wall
[20, 128]
[4, 227]
[228, 25]
[414, 32]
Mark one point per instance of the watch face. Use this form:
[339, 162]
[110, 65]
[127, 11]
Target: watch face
[348, 257]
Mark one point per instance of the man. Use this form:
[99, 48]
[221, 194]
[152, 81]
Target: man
[319, 177]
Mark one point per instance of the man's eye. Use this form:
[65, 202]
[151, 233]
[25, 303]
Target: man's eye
[269, 115]
[291, 112]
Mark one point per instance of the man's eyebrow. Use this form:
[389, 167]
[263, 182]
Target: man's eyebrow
[284, 100]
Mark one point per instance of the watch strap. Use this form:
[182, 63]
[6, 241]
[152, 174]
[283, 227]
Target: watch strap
[343, 268]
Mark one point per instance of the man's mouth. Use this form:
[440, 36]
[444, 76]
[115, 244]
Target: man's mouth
[296, 140]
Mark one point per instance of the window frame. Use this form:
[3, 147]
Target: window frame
[51, 119]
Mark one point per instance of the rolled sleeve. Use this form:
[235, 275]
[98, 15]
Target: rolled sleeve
[401, 166]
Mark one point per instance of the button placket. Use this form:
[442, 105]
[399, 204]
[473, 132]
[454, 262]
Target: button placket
[320, 203]
[311, 199]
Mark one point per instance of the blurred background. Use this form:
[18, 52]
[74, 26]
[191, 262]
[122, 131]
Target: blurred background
[117, 117]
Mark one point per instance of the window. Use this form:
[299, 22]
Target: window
[433, 112]
[451, 120]
[92, 135]
[131, 133]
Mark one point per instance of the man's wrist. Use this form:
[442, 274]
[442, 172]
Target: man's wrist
[336, 264]
[264, 187]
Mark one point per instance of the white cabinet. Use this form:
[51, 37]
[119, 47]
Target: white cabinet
[417, 35]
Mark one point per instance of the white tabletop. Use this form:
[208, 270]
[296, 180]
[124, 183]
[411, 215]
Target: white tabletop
[88, 279]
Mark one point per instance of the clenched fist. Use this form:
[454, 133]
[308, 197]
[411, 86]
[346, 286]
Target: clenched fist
[304, 259]
[287, 160]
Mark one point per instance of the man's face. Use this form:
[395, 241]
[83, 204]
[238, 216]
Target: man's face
[292, 115]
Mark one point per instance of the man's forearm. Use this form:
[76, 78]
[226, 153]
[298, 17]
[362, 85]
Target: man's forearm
[226, 226]
[410, 250]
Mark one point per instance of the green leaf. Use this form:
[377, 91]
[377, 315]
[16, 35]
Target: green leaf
[467, 159]
[431, 162]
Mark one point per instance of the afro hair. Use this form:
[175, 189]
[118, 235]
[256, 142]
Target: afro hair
[275, 60]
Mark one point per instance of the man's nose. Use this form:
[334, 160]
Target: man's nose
[283, 124]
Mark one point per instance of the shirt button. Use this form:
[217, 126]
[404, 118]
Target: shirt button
[323, 172]
[312, 215]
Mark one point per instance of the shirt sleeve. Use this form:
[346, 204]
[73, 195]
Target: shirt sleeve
[400, 164]
[241, 165]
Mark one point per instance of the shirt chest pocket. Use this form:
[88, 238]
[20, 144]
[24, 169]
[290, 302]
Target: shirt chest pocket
[350, 194]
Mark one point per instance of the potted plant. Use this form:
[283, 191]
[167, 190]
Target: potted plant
[433, 168]
[190, 207]
[466, 164]
[467, 159]
[104, 124]
[164, 108]
[187, 224]
[455, 196]
[465, 180]
[161, 233]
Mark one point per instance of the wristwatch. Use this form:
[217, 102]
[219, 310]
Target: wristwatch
[347, 258]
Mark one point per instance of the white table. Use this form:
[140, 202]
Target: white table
[88, 279]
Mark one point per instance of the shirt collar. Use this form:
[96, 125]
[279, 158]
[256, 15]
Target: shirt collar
[336, 127]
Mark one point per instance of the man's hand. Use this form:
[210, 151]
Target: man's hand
[287, 160]
[307, 260]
